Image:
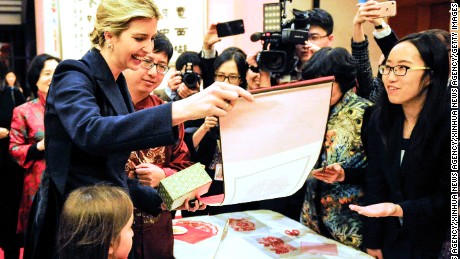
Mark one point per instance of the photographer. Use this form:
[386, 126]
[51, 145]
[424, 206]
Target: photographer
[319, 25]
[186, 80]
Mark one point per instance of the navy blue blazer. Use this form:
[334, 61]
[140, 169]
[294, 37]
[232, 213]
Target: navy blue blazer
[91, 128]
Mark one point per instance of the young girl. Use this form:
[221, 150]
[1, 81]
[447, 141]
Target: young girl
[96, 223]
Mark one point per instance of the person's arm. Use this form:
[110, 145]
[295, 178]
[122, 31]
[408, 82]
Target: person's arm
[375, 187]
[180, 157]
[199, 134]
[360, 49]
[208, 55]
[216, 100]
[73, 97]
[23, 149]
[384, 36]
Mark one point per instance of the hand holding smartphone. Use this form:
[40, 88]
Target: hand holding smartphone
[230, 28]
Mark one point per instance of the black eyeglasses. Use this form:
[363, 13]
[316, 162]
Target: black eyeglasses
[232, 79]
[315, 37]
[148, 64]
[398, 70]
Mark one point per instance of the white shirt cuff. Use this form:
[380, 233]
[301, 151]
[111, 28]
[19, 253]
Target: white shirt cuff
[207, 54]
[383, 33]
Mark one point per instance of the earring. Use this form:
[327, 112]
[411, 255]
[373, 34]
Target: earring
[110, 46]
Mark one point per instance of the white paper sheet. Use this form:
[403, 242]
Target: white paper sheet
[270, 146]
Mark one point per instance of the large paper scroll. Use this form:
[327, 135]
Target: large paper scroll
[270, 146]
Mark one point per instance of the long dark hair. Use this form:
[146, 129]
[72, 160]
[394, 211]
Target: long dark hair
[435, 109]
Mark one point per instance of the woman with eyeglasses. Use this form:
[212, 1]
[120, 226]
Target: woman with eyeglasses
[229, 67]
[408, 147]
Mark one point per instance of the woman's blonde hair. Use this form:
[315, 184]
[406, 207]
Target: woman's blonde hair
[91, 220]
[114, 16]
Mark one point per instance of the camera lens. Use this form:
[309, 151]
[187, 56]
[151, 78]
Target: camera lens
[190, 80]
[272, 60]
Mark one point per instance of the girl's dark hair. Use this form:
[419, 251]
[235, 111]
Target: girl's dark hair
[189, 57]
[337, 62]
[35, 68]
[237, 55]
[435, 109]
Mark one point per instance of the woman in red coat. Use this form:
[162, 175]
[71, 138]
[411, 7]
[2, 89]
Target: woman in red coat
[27, 143]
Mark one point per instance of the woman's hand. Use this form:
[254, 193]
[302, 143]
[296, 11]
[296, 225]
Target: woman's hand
[376, 253]
[333, 173]
[210, 38]
[215, 100]
[186, 206]
[366, 12]
[41, 145]
[385, 209]
[210, 122]
[4, 133]
[149, 174]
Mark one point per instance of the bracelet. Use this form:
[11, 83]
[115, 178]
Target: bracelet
[381, 26]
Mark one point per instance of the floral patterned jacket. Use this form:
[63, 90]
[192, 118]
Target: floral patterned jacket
[27, 129]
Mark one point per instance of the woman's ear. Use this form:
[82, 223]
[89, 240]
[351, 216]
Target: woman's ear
[426, 80]
[108, 36]
[111, 250]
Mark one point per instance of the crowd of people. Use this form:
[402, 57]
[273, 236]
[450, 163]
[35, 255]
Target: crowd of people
[86, 187]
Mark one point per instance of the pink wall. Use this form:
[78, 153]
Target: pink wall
[250, 11]
[39, 26]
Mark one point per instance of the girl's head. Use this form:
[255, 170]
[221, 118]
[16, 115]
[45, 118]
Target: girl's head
[96, 223]
[231, 66]
[124, 30]
[416, 71]
[415, 77]
[337, 62]
[11, 79]
[40, 72]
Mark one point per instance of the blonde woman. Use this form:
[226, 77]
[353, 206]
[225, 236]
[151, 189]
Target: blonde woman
[91, 126]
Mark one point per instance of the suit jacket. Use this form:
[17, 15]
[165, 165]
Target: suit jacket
[91, 128]
[419, 185]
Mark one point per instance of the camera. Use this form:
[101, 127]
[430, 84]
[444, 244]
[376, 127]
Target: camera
[280, 57]
[190, 78]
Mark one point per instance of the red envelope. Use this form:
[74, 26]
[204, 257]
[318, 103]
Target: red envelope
[214, 199]
[193, 235]
[319, 248]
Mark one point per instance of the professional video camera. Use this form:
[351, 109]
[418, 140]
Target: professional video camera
[190, 78]
[277, 55]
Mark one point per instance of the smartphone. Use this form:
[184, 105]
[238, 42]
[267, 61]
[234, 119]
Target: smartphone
[230, 28]
[387, 9]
